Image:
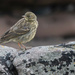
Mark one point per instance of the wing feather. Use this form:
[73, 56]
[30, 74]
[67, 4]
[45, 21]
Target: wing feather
[19, 29]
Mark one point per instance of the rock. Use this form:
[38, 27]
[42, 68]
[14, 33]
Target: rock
[7, 54]
[42, 60]
[46, 60]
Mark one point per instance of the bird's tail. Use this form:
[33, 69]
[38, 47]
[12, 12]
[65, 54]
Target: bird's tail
[1, 41]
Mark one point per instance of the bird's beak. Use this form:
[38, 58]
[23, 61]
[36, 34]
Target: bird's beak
[23, 15]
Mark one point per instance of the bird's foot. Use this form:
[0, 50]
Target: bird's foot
[22, 48]
[25, 48]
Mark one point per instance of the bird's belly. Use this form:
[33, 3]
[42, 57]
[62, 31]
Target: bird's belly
[27, 37]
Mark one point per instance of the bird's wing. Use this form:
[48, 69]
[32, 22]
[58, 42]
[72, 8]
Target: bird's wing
[14, 33]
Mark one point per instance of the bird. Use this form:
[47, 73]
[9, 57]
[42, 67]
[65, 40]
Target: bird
[23, 31]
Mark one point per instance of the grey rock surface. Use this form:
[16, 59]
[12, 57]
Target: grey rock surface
[46, 60]
[7, 55]
[42, 60]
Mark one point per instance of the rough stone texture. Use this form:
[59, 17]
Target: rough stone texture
[46, 60]
[7, 54]
[42, 60]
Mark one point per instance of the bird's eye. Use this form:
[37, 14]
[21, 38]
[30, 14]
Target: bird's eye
[28, 16]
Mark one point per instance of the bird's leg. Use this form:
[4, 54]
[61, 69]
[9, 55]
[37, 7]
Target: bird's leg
[19, 45]
[23, 46]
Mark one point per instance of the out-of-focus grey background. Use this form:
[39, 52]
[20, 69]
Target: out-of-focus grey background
[56, 19]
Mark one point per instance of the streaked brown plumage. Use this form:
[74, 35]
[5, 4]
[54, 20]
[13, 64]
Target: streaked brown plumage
[23, 31]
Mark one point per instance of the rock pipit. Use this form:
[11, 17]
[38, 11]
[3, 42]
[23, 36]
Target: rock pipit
[23, 31]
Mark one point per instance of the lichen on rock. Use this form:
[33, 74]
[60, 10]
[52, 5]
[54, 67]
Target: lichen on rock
[41, 60]
[46, 60]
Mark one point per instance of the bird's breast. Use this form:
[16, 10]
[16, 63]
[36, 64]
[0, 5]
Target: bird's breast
[27, 37]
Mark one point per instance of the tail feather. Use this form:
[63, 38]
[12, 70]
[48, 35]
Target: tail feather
[1, 41]
[4, 40]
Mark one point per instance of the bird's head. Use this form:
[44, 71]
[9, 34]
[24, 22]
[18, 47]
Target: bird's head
[29, 16]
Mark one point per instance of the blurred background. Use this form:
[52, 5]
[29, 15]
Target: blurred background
[56, 19]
